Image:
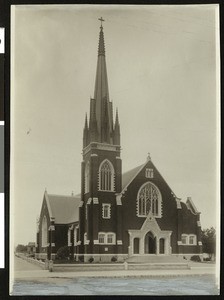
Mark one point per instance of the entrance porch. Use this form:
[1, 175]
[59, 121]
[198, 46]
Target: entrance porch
[150, 239]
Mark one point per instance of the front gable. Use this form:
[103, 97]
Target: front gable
[44, 223]
[148, 173]
[45, 211]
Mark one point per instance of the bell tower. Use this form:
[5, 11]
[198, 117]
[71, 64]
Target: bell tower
[100, 213]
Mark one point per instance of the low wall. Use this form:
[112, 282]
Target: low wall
[85, 267]
[114, 266]
[34, 261]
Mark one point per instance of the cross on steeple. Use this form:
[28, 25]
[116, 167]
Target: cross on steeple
[101, 20]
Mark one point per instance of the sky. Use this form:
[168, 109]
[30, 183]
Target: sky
[163, 74]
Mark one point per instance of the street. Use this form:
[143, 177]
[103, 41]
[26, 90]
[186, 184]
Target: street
[31, 280]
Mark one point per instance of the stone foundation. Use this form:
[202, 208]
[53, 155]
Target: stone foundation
[101, 258]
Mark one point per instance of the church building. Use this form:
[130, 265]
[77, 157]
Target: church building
[117, 215]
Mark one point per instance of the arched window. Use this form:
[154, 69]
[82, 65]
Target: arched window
[44, 232]
[87, 179]
[149, 200]
[106, 176]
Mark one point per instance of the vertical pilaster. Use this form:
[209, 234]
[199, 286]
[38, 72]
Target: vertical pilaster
[38, 242]
[118, 175]
[199, 234]
[52, 240]
[96, 214]
[81, 211]
[119, 223]
[179, 224]
[157, 245]
[142, 246]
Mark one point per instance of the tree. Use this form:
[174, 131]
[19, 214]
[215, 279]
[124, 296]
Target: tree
[208, 238]
[21, 248]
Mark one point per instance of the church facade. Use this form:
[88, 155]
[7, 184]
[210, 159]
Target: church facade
[116, 216]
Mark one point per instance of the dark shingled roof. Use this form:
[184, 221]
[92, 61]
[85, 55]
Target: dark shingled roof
[128, 176]
[64, 208]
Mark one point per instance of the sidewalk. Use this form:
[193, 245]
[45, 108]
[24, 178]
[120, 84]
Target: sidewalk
[197, 269]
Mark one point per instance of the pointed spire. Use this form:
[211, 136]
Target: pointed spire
[86, 123]
[116, 119]
[101, 47]
[101, 126]
[101, 94]
[117, 138]
[93, 132]
[85, 133]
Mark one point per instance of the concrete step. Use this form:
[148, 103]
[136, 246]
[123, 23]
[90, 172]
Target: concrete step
[155, 259]
[157, 266]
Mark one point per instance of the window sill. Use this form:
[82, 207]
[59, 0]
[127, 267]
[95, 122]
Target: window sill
[187, 244]
[107, 244]
[145, 216]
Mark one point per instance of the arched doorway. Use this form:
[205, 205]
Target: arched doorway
[150, 243]
[136, 245]
[162, 246]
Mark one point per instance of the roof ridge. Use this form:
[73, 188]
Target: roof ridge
[133, 169]
[138, 169]
[68, 196]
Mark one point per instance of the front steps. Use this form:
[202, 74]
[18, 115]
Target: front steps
[153, 258]
[145, 262]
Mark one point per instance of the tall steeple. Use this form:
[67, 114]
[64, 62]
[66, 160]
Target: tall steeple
[101, 128]
[101, 167]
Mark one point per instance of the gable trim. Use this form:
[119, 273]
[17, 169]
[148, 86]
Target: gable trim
[125, 188]
[191, 206]
[48, 205]
[172, 192]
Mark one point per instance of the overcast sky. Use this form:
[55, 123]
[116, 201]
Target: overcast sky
[162, 72]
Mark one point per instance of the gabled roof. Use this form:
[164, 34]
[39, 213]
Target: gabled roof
[128, 176]
[63, 208]
[190, 205]
[31, 244]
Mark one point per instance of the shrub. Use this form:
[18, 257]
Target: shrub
[81, 258]
[91, 259]
[63, 253]
[114, 259]
[207, 259]
[196, 258]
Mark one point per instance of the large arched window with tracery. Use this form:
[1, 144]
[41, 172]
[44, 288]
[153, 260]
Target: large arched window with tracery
[149, 200]
[44, 232]
[106, 176]
[87, 179]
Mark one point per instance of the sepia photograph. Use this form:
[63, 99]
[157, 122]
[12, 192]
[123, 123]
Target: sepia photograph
[115, 150]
